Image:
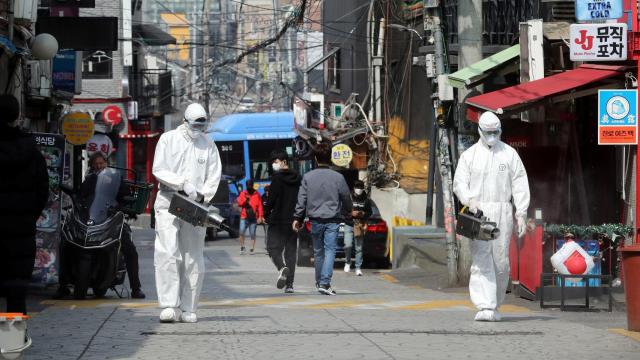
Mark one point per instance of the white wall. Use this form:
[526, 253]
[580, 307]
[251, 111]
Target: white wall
[397, 202]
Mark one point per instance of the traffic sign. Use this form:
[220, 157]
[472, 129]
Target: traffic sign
[618, 117]
[77, 127]
[341, 155]
[112, 115]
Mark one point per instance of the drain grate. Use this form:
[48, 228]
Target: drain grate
[341, 332]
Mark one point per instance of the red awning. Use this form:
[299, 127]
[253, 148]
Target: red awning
[525, 95]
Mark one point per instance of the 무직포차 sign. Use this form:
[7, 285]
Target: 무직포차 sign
[618, 117]
[598, 42]
[587, 10]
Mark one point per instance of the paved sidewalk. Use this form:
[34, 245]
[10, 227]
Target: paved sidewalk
[243, 316]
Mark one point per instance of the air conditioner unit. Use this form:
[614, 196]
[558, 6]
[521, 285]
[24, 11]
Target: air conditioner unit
[26, 10]
[39, 79]
[336, 110]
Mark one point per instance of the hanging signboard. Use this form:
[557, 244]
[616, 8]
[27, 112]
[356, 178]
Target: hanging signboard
[598, 42]
[64, 71]
[100, 142]
[341, 155]
[617, 117]
[112, 115]
[589, 10]
[77, 127]
[45, 270]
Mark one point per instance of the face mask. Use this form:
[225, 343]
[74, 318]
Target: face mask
[490, 138]
[276, 166]
[358, 191]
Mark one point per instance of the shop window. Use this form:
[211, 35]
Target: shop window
[259, 155]
[334, 66]
[232, 157]
[97, 64]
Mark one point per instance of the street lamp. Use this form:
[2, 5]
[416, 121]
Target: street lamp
[44, 46]
[408, 29]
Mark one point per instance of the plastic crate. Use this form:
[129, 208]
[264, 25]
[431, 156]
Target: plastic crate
[141, 192]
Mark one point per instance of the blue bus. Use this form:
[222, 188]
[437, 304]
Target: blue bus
[245, 141]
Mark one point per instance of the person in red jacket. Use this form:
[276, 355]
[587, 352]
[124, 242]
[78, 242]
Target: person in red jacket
[250, 202]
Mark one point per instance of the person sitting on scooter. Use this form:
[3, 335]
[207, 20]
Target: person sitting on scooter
[97, 163]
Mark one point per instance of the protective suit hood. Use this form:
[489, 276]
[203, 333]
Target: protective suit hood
[196, 119]
[489, 128]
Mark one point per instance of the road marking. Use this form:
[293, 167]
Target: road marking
[94, 303]
[630, 334]
[389, 278]
[342, 304]
[449, 304]
[313, 302]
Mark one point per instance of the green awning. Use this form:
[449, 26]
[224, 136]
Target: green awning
[475, 73]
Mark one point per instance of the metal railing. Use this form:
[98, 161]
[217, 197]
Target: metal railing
[501, 18]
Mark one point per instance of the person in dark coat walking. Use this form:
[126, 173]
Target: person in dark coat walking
[281, 203]
[24, 191]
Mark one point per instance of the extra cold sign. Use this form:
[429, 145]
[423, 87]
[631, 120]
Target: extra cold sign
[588, 10]
[617, 117]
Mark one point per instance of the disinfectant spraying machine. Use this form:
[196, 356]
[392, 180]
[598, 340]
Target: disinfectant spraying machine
[476, 226]
[196, 213]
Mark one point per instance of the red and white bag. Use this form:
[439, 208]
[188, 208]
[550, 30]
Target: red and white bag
[572, 259]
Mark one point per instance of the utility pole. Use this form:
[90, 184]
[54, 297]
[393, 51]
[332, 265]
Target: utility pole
[278, 75]
[470, 42]
[192, 58]
[205, 53]
[445, 165]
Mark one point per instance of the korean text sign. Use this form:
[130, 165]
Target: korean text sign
[617, 117]
[598, 42]
[588, 10]
[45, 269]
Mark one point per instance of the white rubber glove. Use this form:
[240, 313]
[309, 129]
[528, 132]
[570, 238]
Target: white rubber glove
[190, 190]
[522, 226]
[474, 206]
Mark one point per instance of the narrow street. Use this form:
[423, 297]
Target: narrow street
[243, 316]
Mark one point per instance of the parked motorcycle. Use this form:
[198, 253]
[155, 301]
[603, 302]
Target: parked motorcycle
[92, 238]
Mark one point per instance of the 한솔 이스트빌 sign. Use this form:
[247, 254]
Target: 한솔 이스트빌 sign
[617, 117]
[588, 10]
[598, 42]
[341, 155]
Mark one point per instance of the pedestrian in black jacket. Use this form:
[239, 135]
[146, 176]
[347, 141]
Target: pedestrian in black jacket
[24, 191]
[283, 195]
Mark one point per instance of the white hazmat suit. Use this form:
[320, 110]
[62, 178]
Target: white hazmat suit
[185, 159]
[489, 175]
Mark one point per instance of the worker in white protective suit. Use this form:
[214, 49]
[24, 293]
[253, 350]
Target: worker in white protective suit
[185, 160]
[489, 175]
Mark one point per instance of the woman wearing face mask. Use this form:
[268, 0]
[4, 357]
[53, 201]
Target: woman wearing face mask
[355, 229]
[250, 202]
